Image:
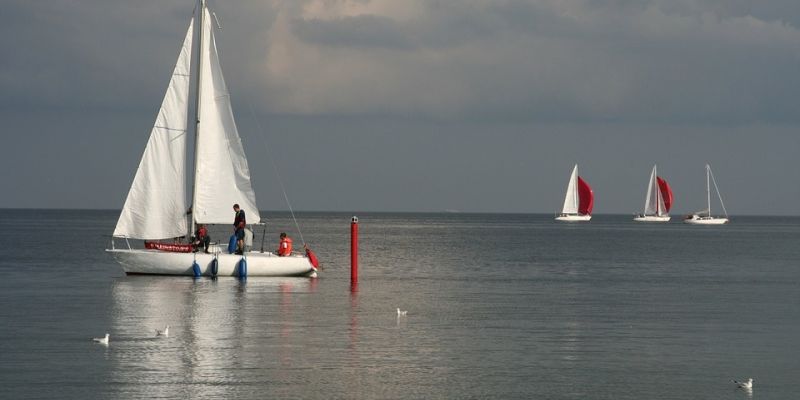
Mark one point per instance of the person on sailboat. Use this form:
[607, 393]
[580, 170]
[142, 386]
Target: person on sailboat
[239, 223]
[285, 246]
[201, 238]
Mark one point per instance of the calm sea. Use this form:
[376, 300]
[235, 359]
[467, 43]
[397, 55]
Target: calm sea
[499, 306]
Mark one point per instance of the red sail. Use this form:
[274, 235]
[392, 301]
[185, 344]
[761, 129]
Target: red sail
[666, 192]
[586, 197]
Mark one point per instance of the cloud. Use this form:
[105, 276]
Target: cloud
[540, 60]
[547, 60]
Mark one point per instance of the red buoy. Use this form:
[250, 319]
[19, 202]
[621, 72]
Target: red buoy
[354, 251]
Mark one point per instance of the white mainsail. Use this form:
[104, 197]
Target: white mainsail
[222, 177]
[156, 203]
[571, 198]
[654, 203]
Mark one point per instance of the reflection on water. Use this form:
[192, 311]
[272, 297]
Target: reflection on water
[221, 331]
[353, 331]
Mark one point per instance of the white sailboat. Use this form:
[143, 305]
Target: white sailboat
[579, 200]
[658, 201]
[155, 207]
[705, 217]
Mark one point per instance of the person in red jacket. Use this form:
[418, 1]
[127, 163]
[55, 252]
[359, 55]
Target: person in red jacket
[201, 238]
[285, 247]
[239, 223]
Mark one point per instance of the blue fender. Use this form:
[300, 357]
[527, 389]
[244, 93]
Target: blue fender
[214, 267]
[242, 268]
[196, 270]
[232, 244]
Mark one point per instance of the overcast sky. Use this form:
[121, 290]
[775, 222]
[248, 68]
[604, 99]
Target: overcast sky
[419, 105]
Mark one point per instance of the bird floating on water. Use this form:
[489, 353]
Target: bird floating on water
[164, 332]
[399, 313]
[101, 340]
[747, 385]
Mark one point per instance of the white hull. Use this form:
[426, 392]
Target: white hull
[652, 218]
[704, 217]
[154, 262]
[697, 220]
[573, 218]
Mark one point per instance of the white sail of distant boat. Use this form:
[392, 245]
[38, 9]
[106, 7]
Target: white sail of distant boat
[578, 201]
[155, 207]
[658, 201]
[705, 217]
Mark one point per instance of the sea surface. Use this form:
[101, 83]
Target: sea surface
[499, 306]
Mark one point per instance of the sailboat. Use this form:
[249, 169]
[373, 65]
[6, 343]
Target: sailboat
[579, 200]
[155, 208]
[705, 217]
[658, 201]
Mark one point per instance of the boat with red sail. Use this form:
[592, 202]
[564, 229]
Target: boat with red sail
[658, 201]
[578, 201]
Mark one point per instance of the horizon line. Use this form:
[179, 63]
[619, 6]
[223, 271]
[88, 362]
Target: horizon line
[396, 212]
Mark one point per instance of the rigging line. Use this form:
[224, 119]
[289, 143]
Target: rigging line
[277, 173]
[718, 193]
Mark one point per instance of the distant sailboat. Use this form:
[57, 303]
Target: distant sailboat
[658, 201]
[704, 217]
[579, 200]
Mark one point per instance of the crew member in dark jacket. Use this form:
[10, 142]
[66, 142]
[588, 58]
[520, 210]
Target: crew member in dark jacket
[239, 223]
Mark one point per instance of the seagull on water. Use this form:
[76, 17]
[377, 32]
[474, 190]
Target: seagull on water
[747, 385]
[164, 332]
[101, 340]
[399, 313]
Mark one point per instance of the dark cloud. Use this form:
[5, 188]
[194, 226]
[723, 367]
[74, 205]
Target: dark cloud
[538, 60]
[463, 100]
[87, 54]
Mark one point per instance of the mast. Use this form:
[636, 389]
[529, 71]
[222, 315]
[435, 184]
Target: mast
[652, 196]
[198, 65]
[658, 191]
[708, 188]
[576, 197]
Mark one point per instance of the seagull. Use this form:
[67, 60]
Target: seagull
[745, 385]
[399, 313]
[164, 332]
[101, 340]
